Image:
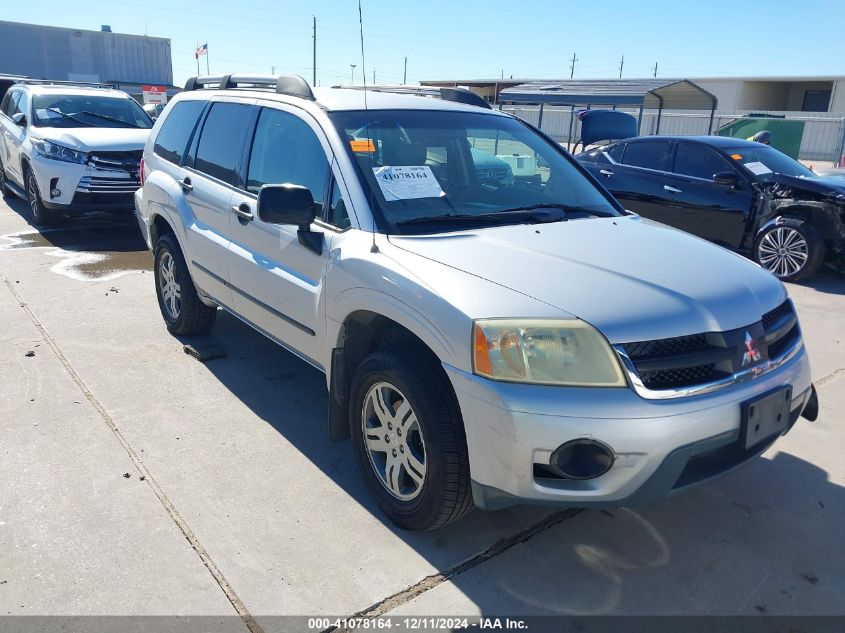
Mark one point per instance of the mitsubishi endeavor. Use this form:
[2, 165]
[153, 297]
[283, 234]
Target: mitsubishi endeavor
[496, 341]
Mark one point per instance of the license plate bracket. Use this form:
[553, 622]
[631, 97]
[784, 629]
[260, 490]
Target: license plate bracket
[765, 416]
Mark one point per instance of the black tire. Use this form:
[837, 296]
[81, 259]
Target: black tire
[191, 316]
[41, 215]
[4, 186]
[445, 494]
[771, 249]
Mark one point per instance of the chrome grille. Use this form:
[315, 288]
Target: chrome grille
[116, 161]
[706, 361]
[99, 184]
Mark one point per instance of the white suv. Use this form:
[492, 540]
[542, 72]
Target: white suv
[504, 340]
[67, 148]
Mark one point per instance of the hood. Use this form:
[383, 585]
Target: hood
[631, 278]
[827, 187]
[89, 139]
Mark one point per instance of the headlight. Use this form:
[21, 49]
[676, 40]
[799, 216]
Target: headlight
[547, 352]
[55, 151]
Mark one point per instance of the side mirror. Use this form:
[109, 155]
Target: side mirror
[286, 204]
[726, 178]
[291, 204]
[19, 119]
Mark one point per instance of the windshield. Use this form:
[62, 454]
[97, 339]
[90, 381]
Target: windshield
[88, 111]
[423, 166]
[764, 161]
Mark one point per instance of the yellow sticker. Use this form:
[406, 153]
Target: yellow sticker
[736, 156]
[362, 146]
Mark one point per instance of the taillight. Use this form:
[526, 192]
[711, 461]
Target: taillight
[141, 171]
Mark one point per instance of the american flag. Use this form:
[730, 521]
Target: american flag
[202, 50]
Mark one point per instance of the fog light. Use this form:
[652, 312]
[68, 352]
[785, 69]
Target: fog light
[582, 459]
[55, 193]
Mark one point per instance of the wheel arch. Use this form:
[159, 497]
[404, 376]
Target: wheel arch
[362, 332]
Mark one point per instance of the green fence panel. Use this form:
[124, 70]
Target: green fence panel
[786, 134]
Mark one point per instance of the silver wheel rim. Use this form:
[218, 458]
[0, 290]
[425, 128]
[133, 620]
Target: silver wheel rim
[783, 251]
[33, 196]
[171, 293]
[394, 441]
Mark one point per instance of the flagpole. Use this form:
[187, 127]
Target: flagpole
[207, 69]
[197, 55]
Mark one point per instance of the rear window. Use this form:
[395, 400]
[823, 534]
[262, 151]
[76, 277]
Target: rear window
[174, 133]
[648, 154]
[221, 140]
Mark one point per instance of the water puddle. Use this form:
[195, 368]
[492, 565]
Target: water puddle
[88, 250]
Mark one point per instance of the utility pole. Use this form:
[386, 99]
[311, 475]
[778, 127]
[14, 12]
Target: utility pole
[503, 73]
[572, 66]
[621, 66]
[374, 76]
[405, 74]
[273, 70]
[314, 54]
[655, 69]
[352, 78]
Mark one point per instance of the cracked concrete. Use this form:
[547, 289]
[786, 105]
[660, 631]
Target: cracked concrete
[246, 510]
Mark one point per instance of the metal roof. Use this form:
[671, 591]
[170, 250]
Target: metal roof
[676, 94]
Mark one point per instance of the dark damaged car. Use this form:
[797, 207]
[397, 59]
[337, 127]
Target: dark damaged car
[745, 196]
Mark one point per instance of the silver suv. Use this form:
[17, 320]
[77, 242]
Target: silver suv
[487, 340]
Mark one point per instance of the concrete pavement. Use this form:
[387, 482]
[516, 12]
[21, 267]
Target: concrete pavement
[246, 508]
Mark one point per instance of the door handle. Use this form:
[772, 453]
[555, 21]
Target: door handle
[243, 211]
[186, 185]
[672, 189]
[606, 172]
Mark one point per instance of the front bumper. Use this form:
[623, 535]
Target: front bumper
[660, 446]
[82, 187]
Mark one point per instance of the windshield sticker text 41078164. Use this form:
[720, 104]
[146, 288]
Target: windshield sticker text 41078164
[407, 183]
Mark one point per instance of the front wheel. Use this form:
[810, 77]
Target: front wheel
[4, 185]
[183, 311]
[409, 438]
[790, 249]
[41, 215]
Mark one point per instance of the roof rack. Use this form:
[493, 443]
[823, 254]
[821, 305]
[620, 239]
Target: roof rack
[459, 95]
[292, 85]
[56, 82]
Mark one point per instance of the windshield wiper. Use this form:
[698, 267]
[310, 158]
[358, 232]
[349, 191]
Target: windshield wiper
[109, 118]
[562, 207]
[68, 116]
[532, 214]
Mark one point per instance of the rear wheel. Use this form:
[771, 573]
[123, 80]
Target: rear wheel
[41, 215]
[409, 438]
[791, 249]
[180, 305]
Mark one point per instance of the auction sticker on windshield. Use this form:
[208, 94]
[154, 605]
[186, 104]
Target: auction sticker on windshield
[757, 168]
[407, 183]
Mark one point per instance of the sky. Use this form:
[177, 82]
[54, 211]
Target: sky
[475, 39]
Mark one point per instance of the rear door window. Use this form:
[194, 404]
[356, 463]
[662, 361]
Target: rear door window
[698, 161]
[221, 140]
[176, 130]
[615, 152]
[648, 154]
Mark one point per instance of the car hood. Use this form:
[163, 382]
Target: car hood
[631, 278]
[89, 139]
[828, 187]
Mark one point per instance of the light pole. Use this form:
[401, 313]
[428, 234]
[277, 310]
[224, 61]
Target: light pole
[352, 77]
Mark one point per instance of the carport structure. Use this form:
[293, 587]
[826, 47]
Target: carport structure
[656, 94]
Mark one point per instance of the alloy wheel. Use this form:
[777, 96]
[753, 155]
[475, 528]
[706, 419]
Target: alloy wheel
[171, 293]
[394, 441]
[783, 251]
[32, 195]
